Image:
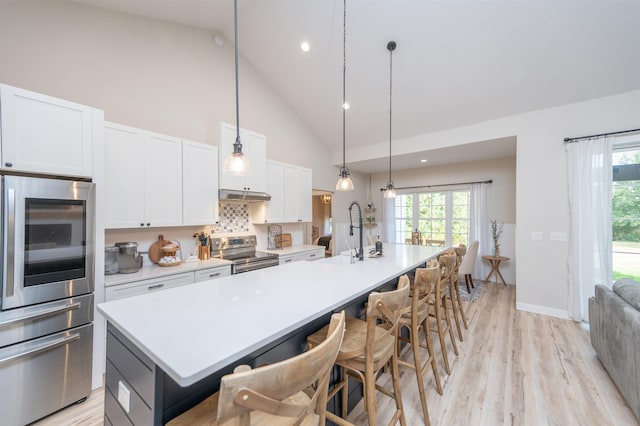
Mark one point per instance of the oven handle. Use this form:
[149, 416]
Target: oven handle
[43, 314]
[41, 348]
[11, 239]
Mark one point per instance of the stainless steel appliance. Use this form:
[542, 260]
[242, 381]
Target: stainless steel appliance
[46, 296]
[242, 252]
[129, 260]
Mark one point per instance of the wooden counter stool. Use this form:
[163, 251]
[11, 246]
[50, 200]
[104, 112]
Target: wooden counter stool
[448, 277]
[366, 348]
[414, 319]
[293, 391]
[438, 308]
[461, 252]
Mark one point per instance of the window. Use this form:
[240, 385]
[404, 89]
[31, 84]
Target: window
[625, 213]
[438, 215]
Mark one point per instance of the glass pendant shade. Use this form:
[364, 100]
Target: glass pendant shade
[344, 183]
[390, 192]
[237, 164]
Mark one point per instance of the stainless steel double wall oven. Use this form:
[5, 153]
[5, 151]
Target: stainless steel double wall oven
[46, 298]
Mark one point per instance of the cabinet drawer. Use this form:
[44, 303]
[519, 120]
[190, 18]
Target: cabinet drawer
[212, 273]
[144, 286]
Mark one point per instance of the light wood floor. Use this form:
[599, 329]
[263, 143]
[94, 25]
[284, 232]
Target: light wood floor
[514, 368]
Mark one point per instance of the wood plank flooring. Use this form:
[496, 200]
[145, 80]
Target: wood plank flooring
[514, 368]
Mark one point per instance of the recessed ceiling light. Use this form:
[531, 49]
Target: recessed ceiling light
[424, 160]
[218, 41]
[346, 105]
[304, 46]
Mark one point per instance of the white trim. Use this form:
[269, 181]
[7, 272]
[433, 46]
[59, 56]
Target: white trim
[551, 312]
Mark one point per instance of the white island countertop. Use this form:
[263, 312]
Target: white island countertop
[193, 331]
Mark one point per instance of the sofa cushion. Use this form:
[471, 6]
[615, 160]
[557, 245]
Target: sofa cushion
[629, 291]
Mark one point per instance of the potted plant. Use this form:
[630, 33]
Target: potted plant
[496, 231]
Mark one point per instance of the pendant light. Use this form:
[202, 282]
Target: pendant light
[237, 163]
[390, 192]
[344, 183]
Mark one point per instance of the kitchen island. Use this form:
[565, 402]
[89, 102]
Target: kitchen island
[167, 351]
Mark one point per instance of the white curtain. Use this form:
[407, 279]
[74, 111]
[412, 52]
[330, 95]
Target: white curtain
[479, 227]
[389, 220]
[589, 168]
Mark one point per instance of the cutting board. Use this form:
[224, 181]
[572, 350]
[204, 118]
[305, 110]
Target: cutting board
[283, 240]
[155, 250]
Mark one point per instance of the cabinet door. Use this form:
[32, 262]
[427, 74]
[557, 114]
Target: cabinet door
[304, 195]
[274, 208]
[199, 183]
[162, 171]
[254, 146]
[123, 183]
[42, 134]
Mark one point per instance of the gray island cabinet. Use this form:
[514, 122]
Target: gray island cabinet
[166, 351]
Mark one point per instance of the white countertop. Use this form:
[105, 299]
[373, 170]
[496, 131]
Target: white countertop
[193, 331]
[293, 249]
[151, 270]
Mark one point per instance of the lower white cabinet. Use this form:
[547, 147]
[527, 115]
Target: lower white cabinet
[307, 255]
[144, 286]
[212, 273]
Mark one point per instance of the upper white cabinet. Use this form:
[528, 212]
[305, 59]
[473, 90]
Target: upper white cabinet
[298, 198]
[291, 198]
[143, 178]
[42, 134]
[254, 146]
[199, 183]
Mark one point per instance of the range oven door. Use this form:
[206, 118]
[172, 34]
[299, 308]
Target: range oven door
[47, 237]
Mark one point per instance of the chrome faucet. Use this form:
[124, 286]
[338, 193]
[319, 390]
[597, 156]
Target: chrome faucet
[360, 251]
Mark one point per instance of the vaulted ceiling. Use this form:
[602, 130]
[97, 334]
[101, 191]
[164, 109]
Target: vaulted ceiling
[457, 62]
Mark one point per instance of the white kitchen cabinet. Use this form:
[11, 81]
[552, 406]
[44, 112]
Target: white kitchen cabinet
[43, 134]
[305, 255]
[212, 273]
[143, 178]
[199, 183]
[254, 146]
[144, 286]
[297, 194]
[291, 199]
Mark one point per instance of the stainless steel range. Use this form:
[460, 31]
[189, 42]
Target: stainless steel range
[242, 252]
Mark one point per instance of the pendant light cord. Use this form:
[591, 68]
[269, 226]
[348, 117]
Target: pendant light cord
[235, 22]
[390, 93]
[344, 74]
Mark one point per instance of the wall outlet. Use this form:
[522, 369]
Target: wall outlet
[558, 236]
[537, 235]
[124, 396]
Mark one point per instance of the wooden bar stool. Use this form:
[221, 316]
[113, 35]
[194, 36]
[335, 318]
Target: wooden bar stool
[438, 308]
[450, 301]
[416, 318]
[293, 391]
[368, 346]
[460, 251]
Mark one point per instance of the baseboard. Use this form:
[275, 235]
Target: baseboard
[551, 312]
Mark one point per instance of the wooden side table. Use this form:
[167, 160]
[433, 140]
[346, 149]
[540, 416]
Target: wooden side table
[495, 267]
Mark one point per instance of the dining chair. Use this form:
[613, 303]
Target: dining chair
[293, 391]
[367, 348]
[468, 262]
[416, 318]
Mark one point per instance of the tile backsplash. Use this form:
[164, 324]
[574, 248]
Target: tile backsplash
[233, 217]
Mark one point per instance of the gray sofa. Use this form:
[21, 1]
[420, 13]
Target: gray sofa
[614, 317]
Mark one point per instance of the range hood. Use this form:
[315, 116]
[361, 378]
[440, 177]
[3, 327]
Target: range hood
[247, 196]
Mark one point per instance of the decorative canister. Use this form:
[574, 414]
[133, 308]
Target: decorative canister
[111, 260]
